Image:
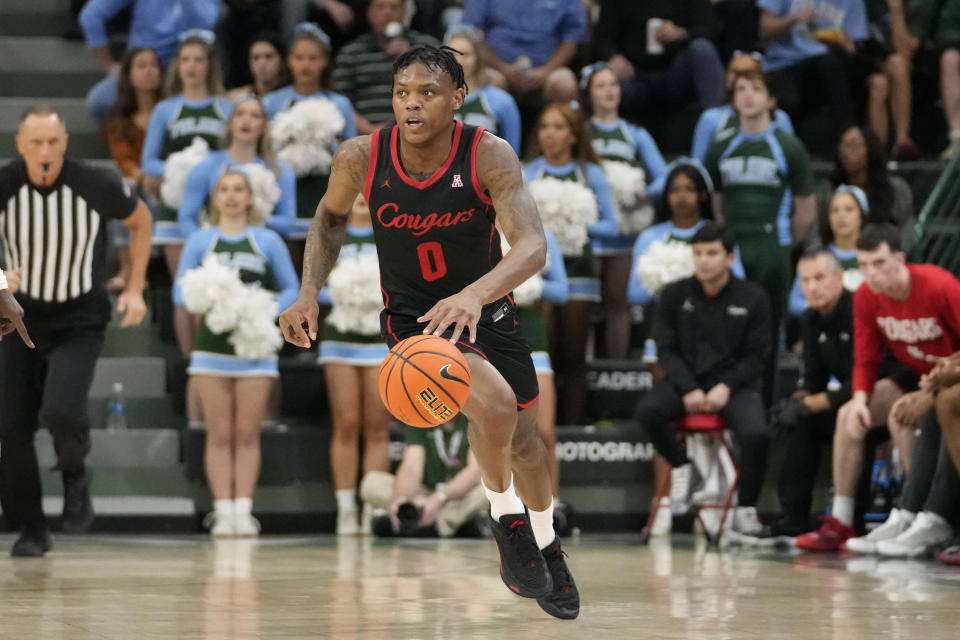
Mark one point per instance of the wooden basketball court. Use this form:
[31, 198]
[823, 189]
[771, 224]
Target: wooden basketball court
[190, 588]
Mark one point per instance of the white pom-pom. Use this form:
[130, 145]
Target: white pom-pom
[304, 136]
[530, 290]
[256, 335]
[263, 183]
[177, 169]
[628, 189]
[207, 285]
[567, 208]
[852, 279]
[663, 263]
[354, 286]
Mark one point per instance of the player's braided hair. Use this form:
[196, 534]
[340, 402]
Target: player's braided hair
[433, 58]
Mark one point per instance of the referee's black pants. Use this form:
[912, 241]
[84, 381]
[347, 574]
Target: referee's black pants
[43, 387]
[745, 415]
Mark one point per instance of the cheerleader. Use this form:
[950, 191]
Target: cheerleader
[563, 151]
[351, 351]
[308, 60]
[616, 140]
[233, 390]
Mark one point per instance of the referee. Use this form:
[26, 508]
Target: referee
[53, 217]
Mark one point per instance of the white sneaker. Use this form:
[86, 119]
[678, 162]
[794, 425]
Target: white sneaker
[928, 529]
[221, 525]
[246, 526]
[680, 479]
[663, 523]
[745, 524]
[347, 523]
[366, 520]
[897, 522]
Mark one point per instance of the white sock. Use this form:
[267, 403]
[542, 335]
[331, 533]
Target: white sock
[542, 524]
[843, 510]
[346, 500]
[242, 506]
[223, 508]
[503, 503]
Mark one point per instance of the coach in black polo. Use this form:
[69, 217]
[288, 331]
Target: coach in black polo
[53, 216]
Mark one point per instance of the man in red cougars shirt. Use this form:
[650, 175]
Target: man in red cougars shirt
[914, 309]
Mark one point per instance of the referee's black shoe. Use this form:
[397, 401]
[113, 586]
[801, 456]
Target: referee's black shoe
[32, 543]
[563, 601]
[522, 566]
[77, 505]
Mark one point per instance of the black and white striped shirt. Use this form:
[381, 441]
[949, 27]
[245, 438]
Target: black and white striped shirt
[58, 233]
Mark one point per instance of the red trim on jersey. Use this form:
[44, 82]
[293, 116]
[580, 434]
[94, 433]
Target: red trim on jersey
[457, 130]
[470, 346]
[473, 168]
[372, 167]
[527, 405]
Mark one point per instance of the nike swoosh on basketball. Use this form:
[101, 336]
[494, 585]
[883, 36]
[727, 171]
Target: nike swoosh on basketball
[445, 373]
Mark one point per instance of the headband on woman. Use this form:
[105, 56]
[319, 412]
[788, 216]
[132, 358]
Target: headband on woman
[691, 162]
[310, 29]
[857, 193]
[473, 35]
[200, 34]
[587, 72]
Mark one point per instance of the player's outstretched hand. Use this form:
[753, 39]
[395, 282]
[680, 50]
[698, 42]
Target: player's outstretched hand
[299, 322]
[461, 311]
[11, 317]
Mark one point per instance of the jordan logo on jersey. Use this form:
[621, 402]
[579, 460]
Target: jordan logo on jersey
[386, 183]
[457, 182]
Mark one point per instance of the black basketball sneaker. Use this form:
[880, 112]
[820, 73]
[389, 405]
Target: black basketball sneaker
[522, 566]
[563, 601]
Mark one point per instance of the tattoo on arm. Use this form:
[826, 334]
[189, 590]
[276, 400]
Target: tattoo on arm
[329, 226]
[500, 173]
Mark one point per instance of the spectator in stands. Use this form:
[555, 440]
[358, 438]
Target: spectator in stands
[550, 287]
[246, 141]
[308, 60]
[806, 419]
[138, 91]
[860, 160]
[267, 68]
[343, 20]
[437, 485]
[486, 105]
[240, 21]
[662, 52]
[562, 150]
[890, 98]
[914, 310]
[234, 389]
[61, 269]
[351, 352]
[806, 54]
[713, 337]
[615, 140]
[721, 122]
[157, 25]
[526, 42]
[848, 213]
[363, 70]
[762, 174]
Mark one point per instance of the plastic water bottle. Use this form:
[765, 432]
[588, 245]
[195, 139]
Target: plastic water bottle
[117, 409]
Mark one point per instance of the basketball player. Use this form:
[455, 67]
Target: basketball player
[435, 187]
[11, 313]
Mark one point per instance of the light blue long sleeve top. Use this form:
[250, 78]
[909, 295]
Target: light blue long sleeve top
[269, 244]
[556, 288]
[714, 118]
[204, 177]
[281, 99]
[606, 224]
[156, 24]
[152, 162]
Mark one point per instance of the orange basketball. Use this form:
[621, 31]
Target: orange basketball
[424, 381]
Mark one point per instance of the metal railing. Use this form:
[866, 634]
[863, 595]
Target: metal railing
[936, 232]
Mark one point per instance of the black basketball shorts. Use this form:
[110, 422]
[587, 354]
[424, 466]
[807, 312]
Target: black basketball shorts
[499, 343]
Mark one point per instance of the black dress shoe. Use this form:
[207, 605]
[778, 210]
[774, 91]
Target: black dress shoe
[32, 543]
[77, 506]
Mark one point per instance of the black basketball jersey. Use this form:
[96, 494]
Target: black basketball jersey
[433, 237]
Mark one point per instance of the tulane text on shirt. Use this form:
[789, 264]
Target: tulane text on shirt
[246, 261]
[750, 170]
[910, 330]
[197, 126]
